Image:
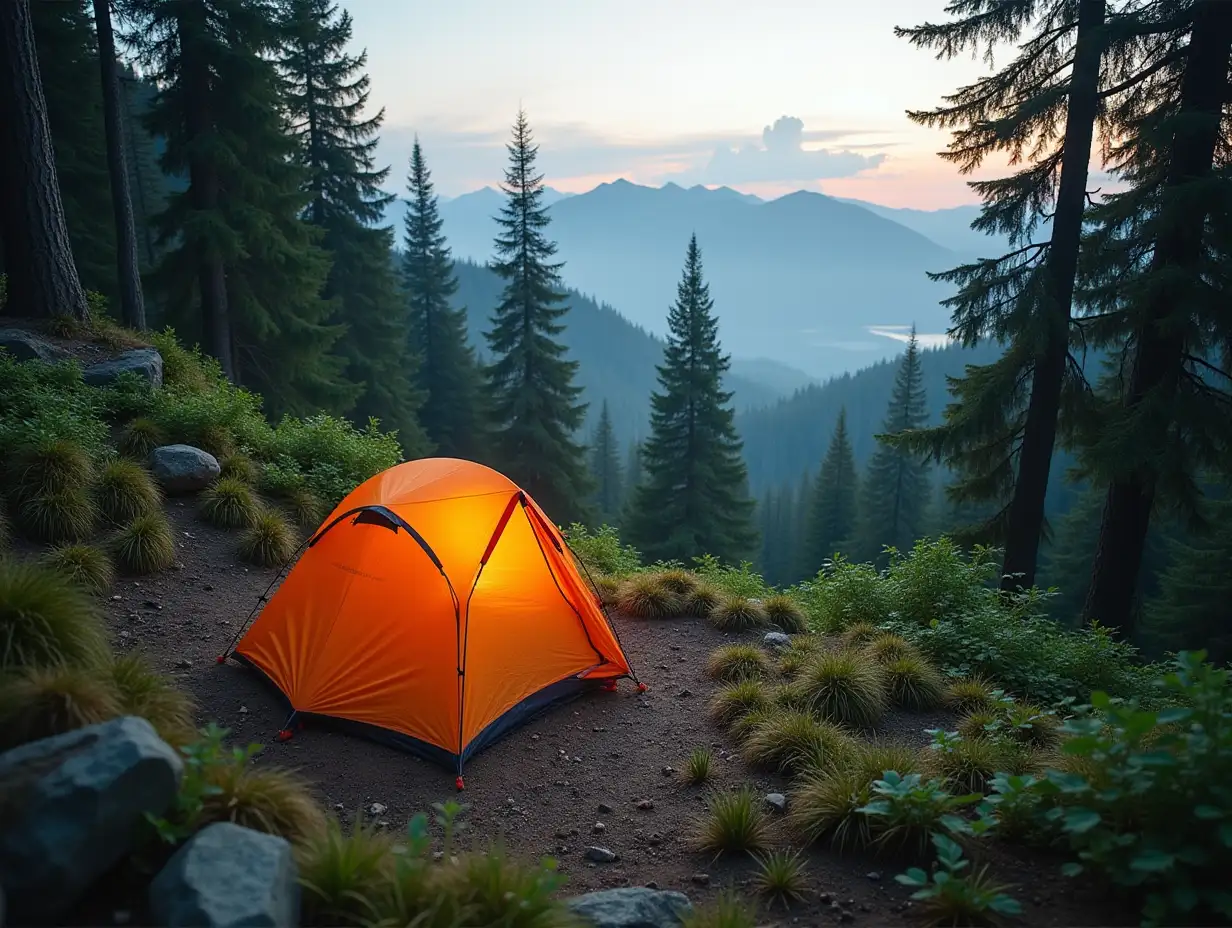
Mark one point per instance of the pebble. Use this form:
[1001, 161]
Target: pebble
[668, 771]
[600, 855]
[652, 885]
[598, 828]
[776, 801]
[377, 808]
[685, 693]
[874, 875]
[701, 879]
[655, 839]
[645, 804]
[605, 809]
[183, 663]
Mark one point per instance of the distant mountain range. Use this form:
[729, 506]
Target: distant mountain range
[806, 280]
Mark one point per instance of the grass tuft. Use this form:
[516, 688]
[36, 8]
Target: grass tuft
[42, 702]
[780, 876]
[887, 648]
[737, 614]
[743, 727]
[84, 565]
[238, 466]
[970, 694]
[729, 910]
[678, 581]
[230, 503]
[735, 662]
[974, 724]
[844, 687]
[701, 600]
[270, 541]
[699, 768]
[607, 589]
[913, 683]
[48, 466]
[859, 634]
[305, 508]
[145, 545]
[140, 437]
[783, 611]
[125, 490]
[46, 622]
[968, 764]
[145, 692]
[55, 516]
[1030, 725]
[274, 801]
[6, 535]
[645, 596]
[340, 874]
[792, 741]
[732, 703]
[734, 823]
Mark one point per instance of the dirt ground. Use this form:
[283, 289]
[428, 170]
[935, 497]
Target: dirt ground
[573, 777]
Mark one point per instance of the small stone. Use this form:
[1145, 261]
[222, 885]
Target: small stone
[183, 468]
[632, 907]
[845, 916]
[338, 807]
[377, 808]
[669, 771]
[652, 885]
[684, 694]
[600, 855]
[598, 828]
[534, 737]
[776, 640]
[874, 875]
[776, 801]
[655, 839]
[183, 663]
[701, 879]
[825, 898]
[645, 804]
[605, 809]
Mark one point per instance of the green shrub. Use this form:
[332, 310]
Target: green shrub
[1031, 725]
[843, 687]
[734, 823]
[1015, 804]
[736, 613]
[844, 594]
[1149, 807]
[139, 437]
[238, 466]
[979, 723]
[125, 490]
[643, 596]
[780, 876]
[734, 662]
[185, 368]
[784, 612]
[46, 403]
[935, 580]
[145, 545]
[46, 622]
[913, 683]
[145, 692]
[128, 397]
[341, 874]
[601, 550]
[950, 896]
[744, 726]
[333, 456]
[906, 810]
[794, 656]
[229, 503]
[269, 541]
[218, 420]
[699, 768]
[734, 702]
[734, 581]
[41, 702]
[84, 565]
[791, 741]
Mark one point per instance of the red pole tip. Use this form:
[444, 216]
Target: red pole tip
[459, 785]
[642, 687]
[285, 734]
[220, 659]
[610, 686]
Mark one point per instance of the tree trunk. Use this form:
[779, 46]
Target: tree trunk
[205, 188]
[132, 303]
[1159, 352]
[1026, 512]
[42, 280]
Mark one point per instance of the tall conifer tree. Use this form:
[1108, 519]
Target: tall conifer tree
[606, 470]
[534, 398]
[693, 500]
[447, 373]
[832, 516]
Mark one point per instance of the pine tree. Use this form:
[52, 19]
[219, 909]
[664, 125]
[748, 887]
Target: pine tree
[327, 92]
[832, 518]
[447, 373]
[243, 272]
[896, 486]
[1024, 297]
[38, 257]
[605, 469]
[693, 500]
[534, 399]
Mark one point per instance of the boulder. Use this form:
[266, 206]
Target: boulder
[776, 640]
[227, 875]
[183, 468]
[146, 363]
[26, 346]
[70, 807]
[632, 907]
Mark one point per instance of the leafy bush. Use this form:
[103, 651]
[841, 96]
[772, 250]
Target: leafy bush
[128, 397]
[732, 703]
[780, 876]
[734, 662]
[785, 612]
[791, 741]
[951, 897]
[46, 403]
[1150, 806]
[145, 692]
[907, 809]
[185, 368]
[229, 503]
[644, 596]
[44, 701]
[736, 613]
[935, 580]
[1015, 804]
[45, 622]
[734, 581]
[699, 767]
[6, 535]
[844, 594]
[139, 437]
[843, 687]
[84, 565]
[913, 683]
[145, 545]
[332, 455]
[735, 822]
[601, 550]
[125, 490]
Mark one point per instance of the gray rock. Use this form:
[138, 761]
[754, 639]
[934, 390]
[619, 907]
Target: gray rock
[776, 640]
[600, 855]
[71, 806]
[183, 468]
[227, 876]
[776, 801]
[632, 907]
[26, 346]
[146, 363]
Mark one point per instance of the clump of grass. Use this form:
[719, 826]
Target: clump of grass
[42, 702]
[607, 589]
[340, 873]
[970, 694]
[975, 724]
[745, 726]
[1031, 725]
[48, 466]
[790, 741]
[269, 541]
[145, 692]
[678, 581]
[5, 532]
[732, 703]
[780, 876]
[734, 662]
[125, 490]
[859, 634]
[794, 656]
[699, 768]
[140, 437]
[701, 600]
[216, 439]
[729, 910]
[887, 648]
[737, 614]
[145, 545]
[85, 565]
[844, 687]
[229, 503]
[274, 801]
[54, 516]
[783, 611]
[238, 466]
[967, 764]
[644, 596]
[44, 621]
[734, 823]
[913, 683]
[306, 509]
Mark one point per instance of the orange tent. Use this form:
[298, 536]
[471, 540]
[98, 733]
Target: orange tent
[436, 608]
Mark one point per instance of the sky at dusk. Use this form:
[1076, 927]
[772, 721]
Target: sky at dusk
[767, 97]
